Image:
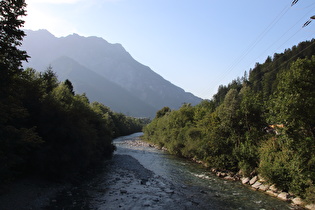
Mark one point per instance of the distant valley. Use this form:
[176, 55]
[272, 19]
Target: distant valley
[105, 72]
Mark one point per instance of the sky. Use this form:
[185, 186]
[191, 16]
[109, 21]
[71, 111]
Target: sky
[197, 45]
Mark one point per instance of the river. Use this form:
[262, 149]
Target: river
[142, 177]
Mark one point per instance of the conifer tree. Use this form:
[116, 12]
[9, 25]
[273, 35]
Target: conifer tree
[11, 37]
[13, 136]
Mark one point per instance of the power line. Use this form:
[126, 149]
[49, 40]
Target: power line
[298, 22]
[254, 43]
[294, 2]
[261, 36]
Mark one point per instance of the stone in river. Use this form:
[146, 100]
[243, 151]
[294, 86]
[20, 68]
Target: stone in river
[245, 180]
[169, 191]
[256, 185]
[123, 191]
[283, 196]
[263, 187]
[253, 180]
[297, 201]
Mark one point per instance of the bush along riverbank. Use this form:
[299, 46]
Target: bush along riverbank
[254, 181]
[259, 183]
[262, 122]
[60, 133]
[46, 128]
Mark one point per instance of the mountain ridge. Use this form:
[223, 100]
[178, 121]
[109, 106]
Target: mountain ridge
[111, 61]
[93, 85]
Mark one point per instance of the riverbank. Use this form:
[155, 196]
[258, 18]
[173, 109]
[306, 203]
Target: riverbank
[258, 183]
[121, 183]
[254, 182]
[29, 193]
[140, 177]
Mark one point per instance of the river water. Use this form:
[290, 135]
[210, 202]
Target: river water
[182, 172]
[142, 177]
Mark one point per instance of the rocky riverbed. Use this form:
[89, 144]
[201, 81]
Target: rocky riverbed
[138, 177]
[131, 186]
[123, 183]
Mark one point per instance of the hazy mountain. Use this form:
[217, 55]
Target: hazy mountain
[111, 64]
[100, 89]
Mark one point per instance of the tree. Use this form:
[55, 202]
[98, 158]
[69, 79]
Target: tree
[162, 112]
[50, 79]
[70, 86]
[228, 110]
[288, 160]
[294, 102]
[10, 39]
[14, 137]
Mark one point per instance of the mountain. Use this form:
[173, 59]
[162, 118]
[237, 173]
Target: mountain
[100, 89]
[106, 72]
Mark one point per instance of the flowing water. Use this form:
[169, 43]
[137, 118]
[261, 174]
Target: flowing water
[183, 172]
[142, 177]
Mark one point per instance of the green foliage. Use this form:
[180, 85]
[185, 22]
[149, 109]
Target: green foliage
[228, 131]
[288, 160]
[283, 166]
[228, 110]
[293, 102]
[16, 139]
[75, 136]
[51, 130]
[44, 126]
[162, 112]
[69, 86]
[11, 36]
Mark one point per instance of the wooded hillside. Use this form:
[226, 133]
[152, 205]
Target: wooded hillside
[262, 123]
[45, 128]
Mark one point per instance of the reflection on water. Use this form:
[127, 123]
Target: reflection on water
[186, 173]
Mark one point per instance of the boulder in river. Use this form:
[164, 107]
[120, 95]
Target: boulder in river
[169, 191]
[283, 196]
[256, 185]
[310, 206]
[273, 188]
[263, 187]
[272, 193]
[245, 180]
[297, 201]
[228, 177]
[253, 180]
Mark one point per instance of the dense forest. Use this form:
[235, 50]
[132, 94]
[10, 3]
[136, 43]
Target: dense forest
[45, 127]
[261, 123]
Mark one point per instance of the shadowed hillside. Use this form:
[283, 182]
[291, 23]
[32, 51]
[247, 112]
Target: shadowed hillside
[111, 62]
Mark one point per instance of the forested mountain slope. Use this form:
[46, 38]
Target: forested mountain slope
[263, 77]
[262, 123]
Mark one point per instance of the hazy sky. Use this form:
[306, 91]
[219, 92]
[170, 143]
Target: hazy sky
[195, 44]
